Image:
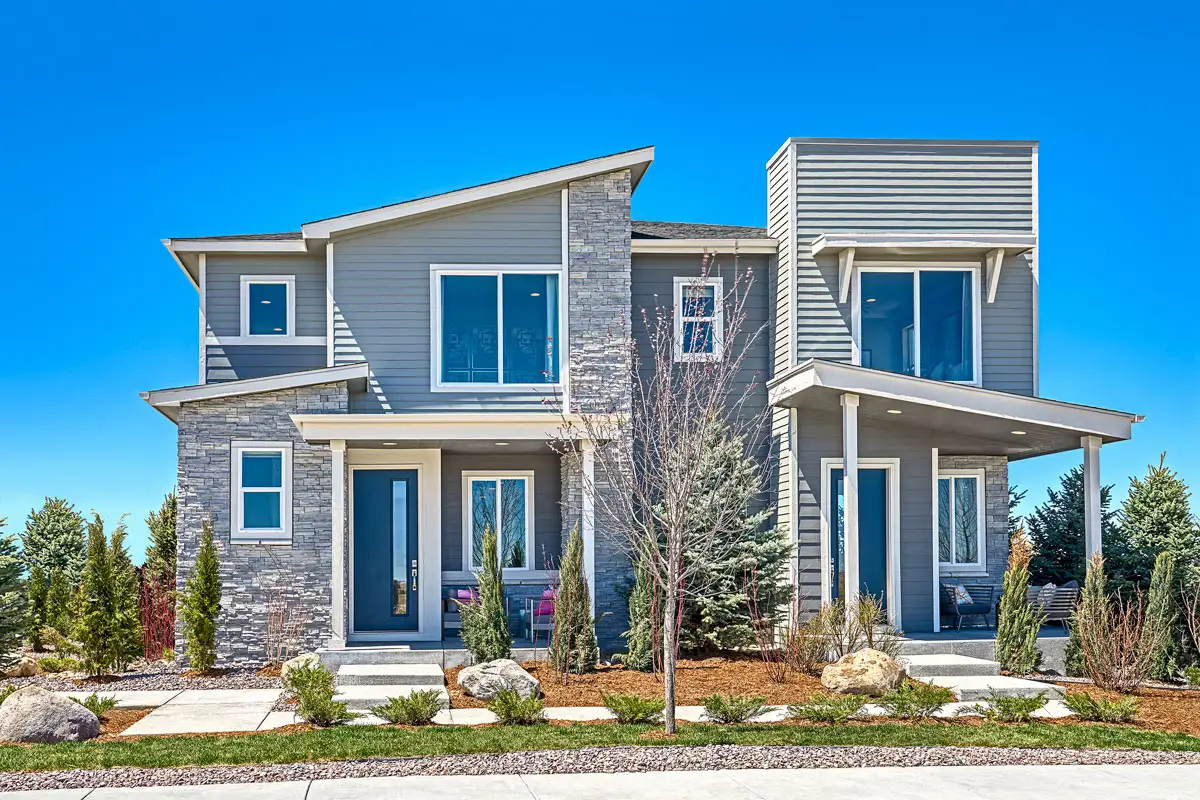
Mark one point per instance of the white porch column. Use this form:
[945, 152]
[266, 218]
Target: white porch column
[850, 478]
[1091, 495]
[588, 522]
[337, 636]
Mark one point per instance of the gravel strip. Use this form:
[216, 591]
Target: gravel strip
[595, 759]
[150, 676]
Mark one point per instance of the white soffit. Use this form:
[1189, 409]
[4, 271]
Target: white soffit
[901, 241]
[167, 400]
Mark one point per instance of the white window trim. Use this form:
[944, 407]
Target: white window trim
[238, 534]
[498, 475]
[717, 319]
[916, 267]
[977, 568]
[270, 338]
[436, 271]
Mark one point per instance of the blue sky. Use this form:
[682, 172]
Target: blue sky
[122, 124]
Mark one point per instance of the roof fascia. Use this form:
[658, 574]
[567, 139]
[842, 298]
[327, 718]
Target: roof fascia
[748, 246]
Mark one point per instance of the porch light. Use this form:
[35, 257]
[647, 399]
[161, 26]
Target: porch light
[894, 411]
[1018, 433]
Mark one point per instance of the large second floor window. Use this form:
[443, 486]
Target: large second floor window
[919, 322]
[496, 327]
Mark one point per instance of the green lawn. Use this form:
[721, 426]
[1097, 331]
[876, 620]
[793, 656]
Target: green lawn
[340, 744]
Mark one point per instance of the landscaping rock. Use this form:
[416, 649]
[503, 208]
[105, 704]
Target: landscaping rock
[25, 667]
[302, 660]
[34, 715]
[868, 672]
[488, 679]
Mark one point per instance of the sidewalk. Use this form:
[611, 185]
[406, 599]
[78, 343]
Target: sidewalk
[876, 783]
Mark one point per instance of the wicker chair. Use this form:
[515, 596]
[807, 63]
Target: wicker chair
[982, 602]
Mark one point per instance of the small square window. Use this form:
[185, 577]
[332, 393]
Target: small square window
[268, 306]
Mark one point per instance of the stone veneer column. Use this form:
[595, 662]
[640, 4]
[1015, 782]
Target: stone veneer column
[302, 569]
[600, 311]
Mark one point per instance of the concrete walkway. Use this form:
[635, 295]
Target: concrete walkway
[873, 783]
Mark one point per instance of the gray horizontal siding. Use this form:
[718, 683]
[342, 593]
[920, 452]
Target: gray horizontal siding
[238, 362]
[819, 436]
[917, 187]
[382, 295]
[547, 515]
[223, 275]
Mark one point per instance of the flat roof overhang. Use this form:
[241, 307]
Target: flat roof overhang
[429, 429]
[969, 420]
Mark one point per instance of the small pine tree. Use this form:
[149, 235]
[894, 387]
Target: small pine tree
[573, 647]
[639, 639]
[35, 611]
[12, 600]
[1091, 613]
[109, 625]
[1015, 496]
[1019, 623]
[718, 618]
[1157, 517]
[59, 602]
[1056, 530]
[201, 603]
[55, 538]
[485, 629]
[161, 552]
[1162, 614]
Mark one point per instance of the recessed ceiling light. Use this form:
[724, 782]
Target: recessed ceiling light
[535, 294]
[389, 444]
[894, 411]
[1018, 433]
[265, 302]
[279, 330]
[870, 299]
[501, 444]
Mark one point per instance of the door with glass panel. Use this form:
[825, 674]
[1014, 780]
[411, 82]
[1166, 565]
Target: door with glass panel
[386, 565]
[872, 533]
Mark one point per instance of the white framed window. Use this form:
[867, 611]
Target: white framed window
[699, 319]
[919, 319]
[269, 307]
[503, 502]
[262, 492]
[961, 521]
[496, 326]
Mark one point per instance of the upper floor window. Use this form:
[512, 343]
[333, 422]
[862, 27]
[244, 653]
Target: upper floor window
[960, 516]
[502, 503]
[262, 491]
[920, 321]
[699, 319]
[268, 305]
[496, 326]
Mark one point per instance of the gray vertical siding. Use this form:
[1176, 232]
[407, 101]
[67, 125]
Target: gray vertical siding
[547, 515]
[382, 294]
[223, 282]
[916, 187]
[819, 436]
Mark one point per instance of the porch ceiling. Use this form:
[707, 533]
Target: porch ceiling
[458, 446]
[963, 420]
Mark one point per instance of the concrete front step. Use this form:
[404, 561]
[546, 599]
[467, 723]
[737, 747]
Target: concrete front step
[978, 687]
[362, 698]
[923, 666]
[390, 675]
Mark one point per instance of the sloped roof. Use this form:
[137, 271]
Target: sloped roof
[644, 229]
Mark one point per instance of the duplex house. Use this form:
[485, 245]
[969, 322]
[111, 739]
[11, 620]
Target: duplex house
[376, 388]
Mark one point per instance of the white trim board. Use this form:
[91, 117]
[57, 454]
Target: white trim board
[523, 425]
[166, 399]
[742, 246]
[214, 245]
[906, 240]
[892, 466]
[634, 160]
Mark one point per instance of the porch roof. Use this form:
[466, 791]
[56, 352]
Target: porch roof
[420, 429]
[972, 420]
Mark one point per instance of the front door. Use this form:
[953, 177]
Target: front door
[385, 550]
[872, 533]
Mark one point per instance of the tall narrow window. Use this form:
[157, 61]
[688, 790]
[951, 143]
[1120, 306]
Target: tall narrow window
[919, 321]
[699, 319]
[262, 491]
[502, 504]
[497, 327]
[269, 306]
[960, 520]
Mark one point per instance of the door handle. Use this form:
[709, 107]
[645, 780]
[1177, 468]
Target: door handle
[414, 574]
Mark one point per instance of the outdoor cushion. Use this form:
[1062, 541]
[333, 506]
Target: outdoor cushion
[962, 596]
[1046, 594]
[544, 608]
[467, 595]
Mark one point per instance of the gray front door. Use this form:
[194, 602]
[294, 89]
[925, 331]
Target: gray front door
[386, 569]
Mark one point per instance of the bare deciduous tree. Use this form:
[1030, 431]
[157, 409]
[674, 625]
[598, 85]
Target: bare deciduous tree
[646, 493]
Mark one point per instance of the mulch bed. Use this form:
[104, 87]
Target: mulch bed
[1160, 709]
[115, 721]
[695, 679]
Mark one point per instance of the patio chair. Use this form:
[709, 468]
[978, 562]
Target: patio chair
[452, 614]
[981, 603]
[537, 615]
[1058, 604]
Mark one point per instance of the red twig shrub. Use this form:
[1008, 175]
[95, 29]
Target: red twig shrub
[158, 619]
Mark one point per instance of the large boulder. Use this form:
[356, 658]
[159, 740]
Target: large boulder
[488, 679]
[37, 716]
[25, 667]
[867, 671]
[302, 660]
